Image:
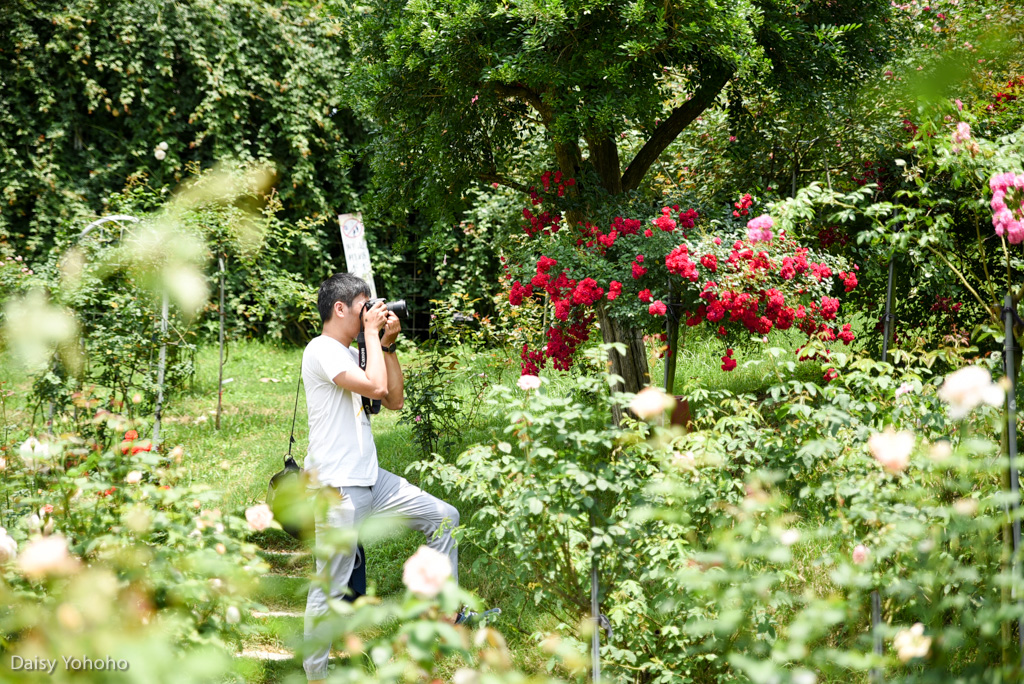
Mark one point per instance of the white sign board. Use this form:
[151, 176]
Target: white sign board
[357, 255]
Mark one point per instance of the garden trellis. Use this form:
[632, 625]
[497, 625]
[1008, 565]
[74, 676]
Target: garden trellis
[97, 236]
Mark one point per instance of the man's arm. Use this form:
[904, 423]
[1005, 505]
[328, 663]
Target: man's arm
[373, 382]
[396, 382]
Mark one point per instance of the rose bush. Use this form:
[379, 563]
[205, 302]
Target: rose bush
[738, 283]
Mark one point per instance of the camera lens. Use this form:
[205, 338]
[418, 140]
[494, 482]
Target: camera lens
[398, 308]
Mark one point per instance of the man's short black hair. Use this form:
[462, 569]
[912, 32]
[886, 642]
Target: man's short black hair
[340, 287]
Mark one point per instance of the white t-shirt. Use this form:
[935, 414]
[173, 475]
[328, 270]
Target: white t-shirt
[341, 448]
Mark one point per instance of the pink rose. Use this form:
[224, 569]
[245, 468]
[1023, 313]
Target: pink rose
[426, 571]
[860, 554]
[650, 402]
[259, 517]
[892, 449]
[46, 556]
[528, 382]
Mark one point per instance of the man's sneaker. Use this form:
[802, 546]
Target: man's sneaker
[471, 618]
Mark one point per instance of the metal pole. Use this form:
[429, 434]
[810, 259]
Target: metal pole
[220, 372]
[876, 620]
[876, 599]
[672, 323]
[1010, 367]
[595, 612]
[164, 315]
[887, 317]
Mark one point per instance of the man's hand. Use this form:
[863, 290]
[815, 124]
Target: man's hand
[375, 318]
[391, 329]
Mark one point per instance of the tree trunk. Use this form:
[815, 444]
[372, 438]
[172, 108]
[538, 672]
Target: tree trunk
[632, 367]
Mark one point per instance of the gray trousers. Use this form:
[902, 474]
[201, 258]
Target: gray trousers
[392, 496]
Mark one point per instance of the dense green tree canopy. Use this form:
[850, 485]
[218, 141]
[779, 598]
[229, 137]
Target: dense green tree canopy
[89, 89]
[454, 85]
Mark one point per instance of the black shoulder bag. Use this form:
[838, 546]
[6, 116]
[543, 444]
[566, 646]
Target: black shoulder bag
[288, 497]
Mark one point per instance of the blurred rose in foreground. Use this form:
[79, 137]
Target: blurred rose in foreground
[260, 517]
[426, 571]
[8, 547]
[892, 449]
[528, 382]
[969, 388]
[650, 402]
[47, 556]
[912, 643]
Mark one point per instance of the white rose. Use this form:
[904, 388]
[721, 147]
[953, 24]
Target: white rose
[969, 388]
[133, 477]
[33, 452]
[232, 615]
[426, 572]
[528, 382]
[46, 556]
[162, 146]
[892, 449]
[8, 547]
[650, 402]
[259, 517]
[465, 676]
[912, 643]
[159, 154]
[789, 537]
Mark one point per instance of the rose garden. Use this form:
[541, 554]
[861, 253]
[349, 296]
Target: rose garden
[713, 336]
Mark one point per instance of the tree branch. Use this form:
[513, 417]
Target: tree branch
[501, 180]
[526, 95]
[670, 129]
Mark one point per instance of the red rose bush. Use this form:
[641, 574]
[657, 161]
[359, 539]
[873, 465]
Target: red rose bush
[739, 278]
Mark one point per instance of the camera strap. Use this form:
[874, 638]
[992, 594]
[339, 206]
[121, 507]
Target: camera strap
[291, 438]
[371, 406]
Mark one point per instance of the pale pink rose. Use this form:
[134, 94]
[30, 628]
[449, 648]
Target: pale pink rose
[892, 449]
[969, 388]
[760, 229]
[46, 556]
[650, 402]
[8, 547]
[528, 382]
[912, 643]
[905, 388]
[426, 571]
[133, 477]
[860, 554]
[259, 517]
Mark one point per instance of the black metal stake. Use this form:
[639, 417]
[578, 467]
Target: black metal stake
[672, 323]
[876, 599]
[1010, 367]
[595, 612]
[887, 318]
[220, 367]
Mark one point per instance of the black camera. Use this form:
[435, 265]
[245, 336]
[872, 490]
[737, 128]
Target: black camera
[396, 307]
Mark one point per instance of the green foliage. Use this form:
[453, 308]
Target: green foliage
[728, 552]
[90, 90]
[457, 89]
[442, 394]
[151, 570]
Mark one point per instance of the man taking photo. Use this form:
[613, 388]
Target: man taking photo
[342, 454]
